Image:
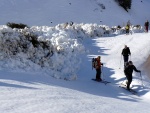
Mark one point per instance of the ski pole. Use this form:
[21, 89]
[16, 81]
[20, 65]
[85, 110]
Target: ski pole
[102, 73]
[130, 57]
[92, 63]
[120, 62]
[141, 79]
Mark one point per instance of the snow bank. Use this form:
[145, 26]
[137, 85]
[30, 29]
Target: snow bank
[51, 50]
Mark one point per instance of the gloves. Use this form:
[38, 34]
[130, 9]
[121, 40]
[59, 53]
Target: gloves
[139, 71]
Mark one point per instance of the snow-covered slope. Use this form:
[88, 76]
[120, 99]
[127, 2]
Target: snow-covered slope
[35, 92]
[53, 12]
[28, 87]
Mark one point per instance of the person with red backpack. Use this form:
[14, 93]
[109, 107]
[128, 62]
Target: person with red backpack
[97, 65]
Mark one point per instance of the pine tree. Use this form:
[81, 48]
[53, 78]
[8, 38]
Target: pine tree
[129, 4]
[126, 4]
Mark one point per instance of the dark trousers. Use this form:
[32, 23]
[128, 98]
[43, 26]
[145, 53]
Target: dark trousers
[127, 31]
[129, 78]
[126, 58]
[146, 27]
[98, 74]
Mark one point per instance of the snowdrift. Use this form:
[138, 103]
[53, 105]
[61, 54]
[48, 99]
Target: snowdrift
[50, 50]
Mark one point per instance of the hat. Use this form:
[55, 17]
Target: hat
[130, 62]
[99, 56]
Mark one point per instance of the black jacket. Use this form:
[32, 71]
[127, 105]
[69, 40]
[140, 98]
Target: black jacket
[129, 70]
[146, 23]
[126, 52]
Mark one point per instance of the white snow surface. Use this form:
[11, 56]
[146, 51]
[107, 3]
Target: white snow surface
[62, 83]
[52, 12]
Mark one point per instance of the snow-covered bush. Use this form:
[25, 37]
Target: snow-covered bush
[47, 48]
[50, 50]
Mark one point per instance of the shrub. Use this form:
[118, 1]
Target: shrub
[15, 25]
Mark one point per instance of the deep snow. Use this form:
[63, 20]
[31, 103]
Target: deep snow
[26, 87]
[52, 12]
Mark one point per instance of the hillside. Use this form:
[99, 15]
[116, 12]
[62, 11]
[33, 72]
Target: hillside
[47, 68]
[53, 12]
[38, 92]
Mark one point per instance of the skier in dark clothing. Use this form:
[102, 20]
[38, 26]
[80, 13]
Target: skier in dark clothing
[126, 52]
[146, 26]
[128, 72]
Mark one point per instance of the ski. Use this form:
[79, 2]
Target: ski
[103, 81]
[131, 90]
